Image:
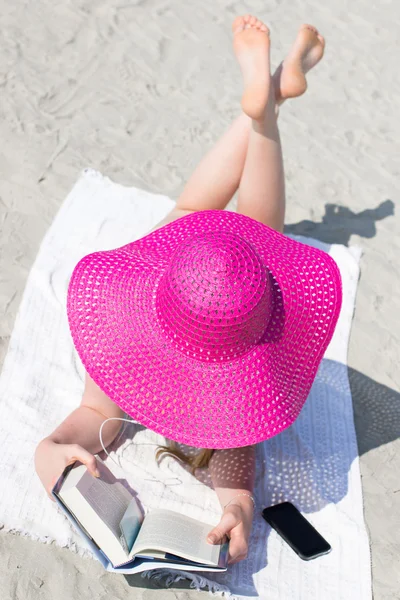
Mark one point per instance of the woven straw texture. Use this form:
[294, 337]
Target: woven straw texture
[209, 330]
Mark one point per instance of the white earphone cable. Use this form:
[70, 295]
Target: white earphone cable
[176, 480]
[101, 438]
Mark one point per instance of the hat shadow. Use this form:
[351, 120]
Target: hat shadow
[376, 412]
[339, 223]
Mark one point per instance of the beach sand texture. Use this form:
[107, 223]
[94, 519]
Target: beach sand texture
[140, 90]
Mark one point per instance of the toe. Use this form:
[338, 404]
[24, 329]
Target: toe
[310, 27]
[238, 24]
[248, 22]
[322, 40]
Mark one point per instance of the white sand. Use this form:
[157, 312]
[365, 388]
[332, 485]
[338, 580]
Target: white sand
[140, 90]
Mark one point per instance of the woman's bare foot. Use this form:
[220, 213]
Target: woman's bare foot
[289, 78]
[251, 45]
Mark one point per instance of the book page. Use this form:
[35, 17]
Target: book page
[107, 496]
[98, 504]
[168, 531]
[130, 524]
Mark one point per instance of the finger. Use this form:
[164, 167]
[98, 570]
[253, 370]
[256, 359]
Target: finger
[227, 522]
[239, 543]
[76, 452]
[238, 549]
[233, 561]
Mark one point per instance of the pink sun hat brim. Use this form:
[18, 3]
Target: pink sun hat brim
[118, 335]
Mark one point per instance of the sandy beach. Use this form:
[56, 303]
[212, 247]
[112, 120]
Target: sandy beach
[139, 91]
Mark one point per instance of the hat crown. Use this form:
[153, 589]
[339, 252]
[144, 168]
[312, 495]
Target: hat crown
[215, 298]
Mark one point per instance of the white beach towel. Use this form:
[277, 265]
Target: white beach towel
[314, 463]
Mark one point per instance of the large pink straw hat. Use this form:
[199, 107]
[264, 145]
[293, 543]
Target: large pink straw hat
[208, 330]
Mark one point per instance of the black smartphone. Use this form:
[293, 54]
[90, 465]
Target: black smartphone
[301, 536]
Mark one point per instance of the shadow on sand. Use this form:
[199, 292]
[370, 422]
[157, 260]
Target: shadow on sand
[340, 223]
[376, 412]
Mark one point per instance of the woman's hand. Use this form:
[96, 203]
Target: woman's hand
[235, 523]
[52, 458]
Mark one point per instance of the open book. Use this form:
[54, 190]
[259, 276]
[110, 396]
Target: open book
[106, 513]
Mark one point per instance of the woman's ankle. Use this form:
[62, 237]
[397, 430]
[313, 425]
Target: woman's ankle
[268, 124]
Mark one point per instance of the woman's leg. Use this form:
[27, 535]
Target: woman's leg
[262, 185]
[216, 179]
[218, 176]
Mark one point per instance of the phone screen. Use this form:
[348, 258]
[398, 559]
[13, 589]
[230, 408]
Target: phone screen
[296, 530]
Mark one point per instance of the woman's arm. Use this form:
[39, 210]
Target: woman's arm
[77, 438]
[232, 472]
[83, 424]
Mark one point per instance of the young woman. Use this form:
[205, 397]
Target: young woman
[232, 344]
